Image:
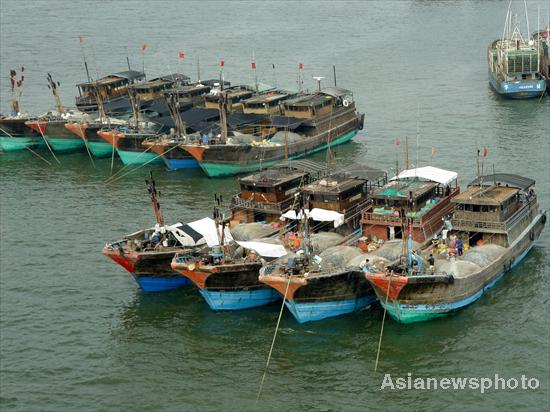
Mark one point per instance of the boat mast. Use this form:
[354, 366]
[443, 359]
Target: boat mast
[154, 195]
[134, 102]
[53, 87]
[16, 90]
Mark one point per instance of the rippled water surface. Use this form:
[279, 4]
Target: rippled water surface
[77, 334]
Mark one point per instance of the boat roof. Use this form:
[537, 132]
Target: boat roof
[262, 87]
[504, 179]
[430, 173]
[482, 195]
[284, 172]
[187, 89]
[232, 93]
[111, 78]
[308, 100]
[360, 171]
[403, 189]
[336, 91]
[266, 98]
[212, 82]
[334, 184]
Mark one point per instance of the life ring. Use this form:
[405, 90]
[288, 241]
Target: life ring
[532, 235]
[543, 219]
[345, 103]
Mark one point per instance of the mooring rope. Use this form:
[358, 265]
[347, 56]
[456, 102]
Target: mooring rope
[273, 341]
[28, 148]
[382, 328]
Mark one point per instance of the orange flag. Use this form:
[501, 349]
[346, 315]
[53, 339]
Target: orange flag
[144, 47]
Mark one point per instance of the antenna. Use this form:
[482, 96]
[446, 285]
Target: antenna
[198, 69]
[318, 80]
[334, 73]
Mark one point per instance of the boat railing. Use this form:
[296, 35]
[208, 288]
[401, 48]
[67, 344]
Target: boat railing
[280, 207]
[442, 208]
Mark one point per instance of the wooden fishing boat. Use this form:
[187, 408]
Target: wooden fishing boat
[330, 283]
[112, 90]
[290, 129]
[514, 64]
[14, 132]
[16, 135]
[147, 254]
[495, 224]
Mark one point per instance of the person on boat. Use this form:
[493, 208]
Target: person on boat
[431, 262]
[459, 247]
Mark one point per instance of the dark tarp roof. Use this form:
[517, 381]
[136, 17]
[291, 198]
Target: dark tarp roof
[290, 123]
[240, 119]
[191, 117]
[505, 179]
[130, 74]
[193, 234]
[212, 82]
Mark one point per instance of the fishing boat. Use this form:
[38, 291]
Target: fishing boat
[112, 90]
[514, 64]
[321, 284]
[291, 128]
[147, 254]
[88, 129]
[52, 125]
[495, 224]
[14, 133]
[542, 38]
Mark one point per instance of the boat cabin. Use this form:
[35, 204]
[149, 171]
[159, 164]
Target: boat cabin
[308, 106]
[343, 97]
[154, 88]
[268, 103]
[266, 195]
[235, 96]
[491, 208]
[419, 198]
[111, 86]
[194, 93]
[344, 192]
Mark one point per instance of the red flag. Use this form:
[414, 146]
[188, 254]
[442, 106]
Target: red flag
[433, 150]
[484, 151]
[144, 47]
[301, 66]
[254, 65]
[80, 39]
[222, 63]
[397, 142]
[181, 55]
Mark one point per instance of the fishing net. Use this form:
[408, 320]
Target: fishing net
[339, 257]
[484, 255]
[244, 139]
[251, 231]
[286, 138]
[323, 240]
[458, 268]
[393, 249]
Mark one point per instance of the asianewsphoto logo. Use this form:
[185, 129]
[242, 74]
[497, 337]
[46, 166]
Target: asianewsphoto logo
[481, 384]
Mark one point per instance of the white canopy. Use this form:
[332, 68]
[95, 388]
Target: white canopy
[207, 228]
[434, 174]
[185, 235]
[265, 249]
[320, 215]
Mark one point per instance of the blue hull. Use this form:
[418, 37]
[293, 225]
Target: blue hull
[405, 313]
[177, 164]
[307, 312]
[154, 284]
[239, 300]
[527, 89]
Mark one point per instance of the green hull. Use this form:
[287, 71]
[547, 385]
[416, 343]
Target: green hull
[64, 145]
[219, 170]
[101, 149]
[413, 316]
[139, 158]
[13, 144]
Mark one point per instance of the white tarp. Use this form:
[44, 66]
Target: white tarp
[322, 215]
[429, 173]
[265, 249]
[207, 228]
